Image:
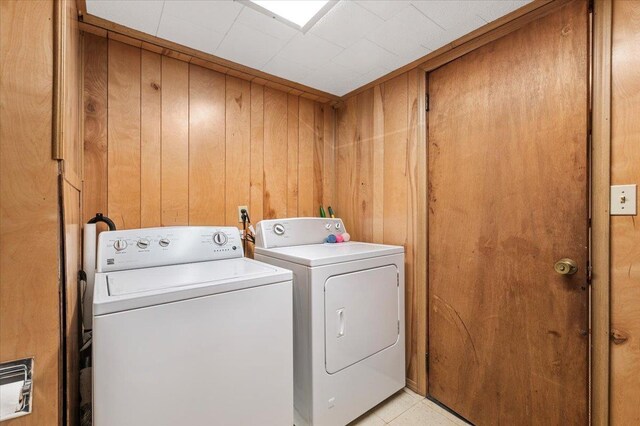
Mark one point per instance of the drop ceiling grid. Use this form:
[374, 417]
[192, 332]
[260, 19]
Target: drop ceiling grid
[355, 43]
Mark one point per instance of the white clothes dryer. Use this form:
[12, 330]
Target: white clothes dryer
[348, 303]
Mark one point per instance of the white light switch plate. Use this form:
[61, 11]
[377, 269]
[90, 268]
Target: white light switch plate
[624, 200]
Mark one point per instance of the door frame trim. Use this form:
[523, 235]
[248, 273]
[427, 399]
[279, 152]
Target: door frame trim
[600, 217]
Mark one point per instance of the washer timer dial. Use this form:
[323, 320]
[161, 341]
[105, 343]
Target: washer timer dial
[119, 245]
[220, 238]
[278, 229]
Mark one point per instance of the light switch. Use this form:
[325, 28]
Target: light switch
[623, 200]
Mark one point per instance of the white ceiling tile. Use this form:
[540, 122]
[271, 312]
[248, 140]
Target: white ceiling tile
[216, 15]
[492, 10]
[249, 47]
[189, 34]
[286, 69]
[374, 74]
[333, 78]
[405, 34]
[385, 9]
[452, 15]
[141, 15]
[310, 50]
[346, 23]
[363, 56]
[266, 24]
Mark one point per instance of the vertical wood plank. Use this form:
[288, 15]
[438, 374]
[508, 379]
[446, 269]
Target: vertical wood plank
[413, 306]
[378, 166]
[72, 300]
[238, 147]
[305, 158]
[602, 385]
[124, 135]
[175, 142]
[318, 157]
[421, 378]
[94, 187]
[275, 151]
[395, 160]
[363, 170]
[292, 161]
[329, 158]
[70, 132]
[345, 164]
[257, 153]
[150, 139]
[206, 146]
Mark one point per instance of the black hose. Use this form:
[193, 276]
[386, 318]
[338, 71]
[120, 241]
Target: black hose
[100, 218]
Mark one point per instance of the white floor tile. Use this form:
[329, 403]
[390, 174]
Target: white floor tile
[413, 394]
[444, 413]
[421, 415]
[395, 406]
[369, 419]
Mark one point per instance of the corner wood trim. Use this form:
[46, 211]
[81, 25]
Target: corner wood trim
[600, 221]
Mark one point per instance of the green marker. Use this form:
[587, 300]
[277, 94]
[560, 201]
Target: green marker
[322, 213]
[331, 212]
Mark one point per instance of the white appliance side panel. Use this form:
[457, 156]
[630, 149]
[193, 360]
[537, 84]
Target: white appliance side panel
[186, 362]
[361, 315]
[302, 342]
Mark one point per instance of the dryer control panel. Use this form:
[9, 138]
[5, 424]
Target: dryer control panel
[297, 231]
[147, 247]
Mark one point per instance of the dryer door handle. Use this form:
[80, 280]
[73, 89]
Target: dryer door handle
[341, 322]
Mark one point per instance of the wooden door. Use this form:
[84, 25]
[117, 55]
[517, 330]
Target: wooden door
[508, 180]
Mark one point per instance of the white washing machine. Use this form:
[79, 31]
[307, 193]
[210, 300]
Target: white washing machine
[188, 331]
[348, 303]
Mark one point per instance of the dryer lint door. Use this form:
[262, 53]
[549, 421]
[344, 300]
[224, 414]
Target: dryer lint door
[361, 315]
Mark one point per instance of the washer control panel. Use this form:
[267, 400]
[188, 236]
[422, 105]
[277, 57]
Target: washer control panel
[297, 231]
[147, 247]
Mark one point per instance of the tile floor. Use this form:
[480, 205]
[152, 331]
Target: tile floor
[407, 408]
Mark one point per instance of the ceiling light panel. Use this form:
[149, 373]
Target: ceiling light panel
[301, 14]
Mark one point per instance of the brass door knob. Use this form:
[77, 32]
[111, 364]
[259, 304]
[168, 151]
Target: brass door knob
[566, 266]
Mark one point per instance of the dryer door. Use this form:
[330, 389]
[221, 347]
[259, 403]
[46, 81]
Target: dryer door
[361, 315]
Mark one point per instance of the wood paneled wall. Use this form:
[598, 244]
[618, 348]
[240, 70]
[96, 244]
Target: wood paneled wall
[29, 211]
[381, 174]
[625, 230]
[172, 143]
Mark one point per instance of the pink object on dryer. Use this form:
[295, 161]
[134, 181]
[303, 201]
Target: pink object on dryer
[345, 236]
[339, 239]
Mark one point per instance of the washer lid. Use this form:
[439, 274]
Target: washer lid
[326, 254]
[137, 288]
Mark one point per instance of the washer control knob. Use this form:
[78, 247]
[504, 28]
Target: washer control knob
[338, 226]
[143, 243]
[327, 226]
[120, 245]
[164, 242]
[220, 238]
[278, 229]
